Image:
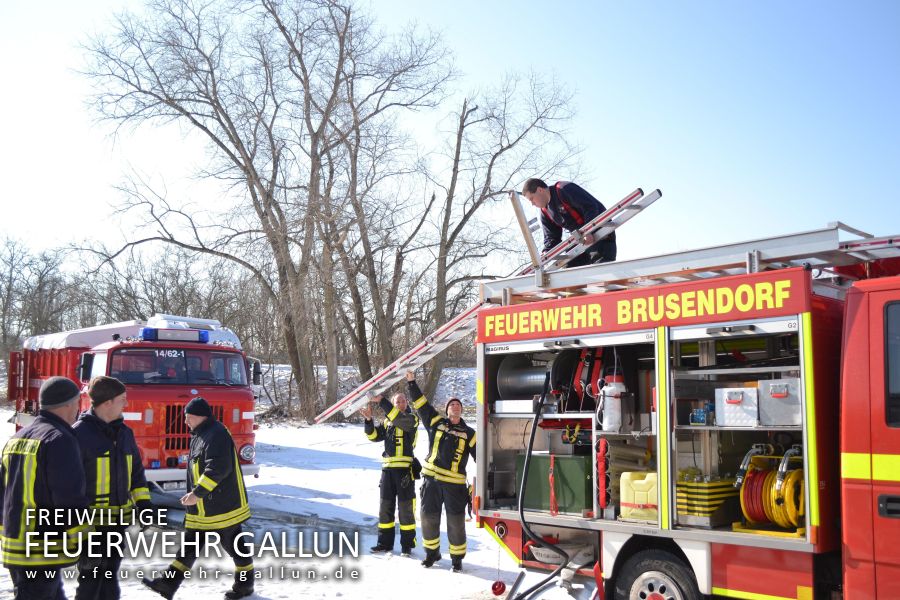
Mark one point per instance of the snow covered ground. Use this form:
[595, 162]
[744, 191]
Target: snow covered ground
[325, 478]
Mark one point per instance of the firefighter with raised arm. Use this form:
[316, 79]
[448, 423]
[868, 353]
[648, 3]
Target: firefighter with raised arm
[41, 470]
[450, 444]
[399, 432]
[115, 482]
[216, 502]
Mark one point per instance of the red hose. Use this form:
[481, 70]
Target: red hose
[602, 451]
[755, 483]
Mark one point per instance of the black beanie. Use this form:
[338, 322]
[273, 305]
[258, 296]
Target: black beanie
[451, 401]
[57, 391]
[198, 407]
[102, 389]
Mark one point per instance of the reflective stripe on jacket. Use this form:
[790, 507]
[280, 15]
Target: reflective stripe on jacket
[214, 475]
[41, 469]
[400, 431]
[450, 446]
[114, 474]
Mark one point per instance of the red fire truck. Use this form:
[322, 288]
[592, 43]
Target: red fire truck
[163, 363]
[722, 422]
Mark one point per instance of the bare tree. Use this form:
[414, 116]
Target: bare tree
[265, 84]
[500, 137]
[326, 209]
[45, 294]
[174, 282]
[15, 259]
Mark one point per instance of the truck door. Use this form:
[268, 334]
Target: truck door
[885, 409]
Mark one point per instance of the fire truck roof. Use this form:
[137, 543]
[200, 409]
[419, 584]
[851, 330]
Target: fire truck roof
[100, 334]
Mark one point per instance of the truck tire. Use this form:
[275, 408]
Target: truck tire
[655, 575]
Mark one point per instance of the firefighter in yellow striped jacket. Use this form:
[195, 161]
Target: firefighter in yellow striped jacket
[216, 502]
[41, 470]
[451, 443]
[399, 432]
[114, 478]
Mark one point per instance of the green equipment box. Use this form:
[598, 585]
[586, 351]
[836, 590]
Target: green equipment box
[572, 477]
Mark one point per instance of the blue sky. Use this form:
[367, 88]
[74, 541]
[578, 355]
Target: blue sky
[754, 118]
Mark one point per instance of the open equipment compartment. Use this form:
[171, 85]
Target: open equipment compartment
[597, 414]
[739, 429]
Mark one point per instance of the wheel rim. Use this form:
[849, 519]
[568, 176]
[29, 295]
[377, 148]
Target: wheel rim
[654, 585]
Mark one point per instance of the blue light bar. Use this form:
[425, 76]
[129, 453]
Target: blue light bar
[152, 334]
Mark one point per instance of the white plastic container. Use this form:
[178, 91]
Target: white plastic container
[639, 496]
[609, 412]
[578, 554]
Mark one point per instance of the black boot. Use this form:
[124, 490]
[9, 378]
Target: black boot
[457, 564]
[240, 591]
[379, 549]
[164, 586]
[243, 585]
[431, 557]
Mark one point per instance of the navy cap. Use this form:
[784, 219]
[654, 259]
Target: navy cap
[57, 391]
[198, 407]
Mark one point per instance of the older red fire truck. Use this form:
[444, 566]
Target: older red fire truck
[723, 421]
[163, 363]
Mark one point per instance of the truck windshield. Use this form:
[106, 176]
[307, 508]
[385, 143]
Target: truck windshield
[168, 366]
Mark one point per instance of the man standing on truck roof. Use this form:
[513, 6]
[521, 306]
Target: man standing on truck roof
[398, 432]
[451, 443]
[568, 206]
[115, 482]
[216, 502]
[41, 469]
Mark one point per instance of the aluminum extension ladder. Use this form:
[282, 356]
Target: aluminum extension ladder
[464, 323]
[451, 332]
[573, 246]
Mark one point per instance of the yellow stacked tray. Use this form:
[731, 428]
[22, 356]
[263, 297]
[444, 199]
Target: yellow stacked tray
[706, 503]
